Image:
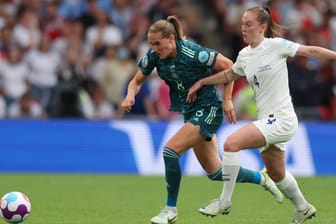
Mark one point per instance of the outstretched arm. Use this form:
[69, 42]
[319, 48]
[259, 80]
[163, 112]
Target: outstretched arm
[316, 52]
[132, 90]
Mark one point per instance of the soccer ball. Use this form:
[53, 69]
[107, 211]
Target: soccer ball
[15, 207]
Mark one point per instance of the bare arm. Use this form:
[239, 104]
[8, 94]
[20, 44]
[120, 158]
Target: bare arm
[132, 90]
[227, 104]
[224, 76]
[223, 65]
[316, 52]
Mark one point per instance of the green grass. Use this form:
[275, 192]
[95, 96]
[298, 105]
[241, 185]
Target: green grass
[110, 199]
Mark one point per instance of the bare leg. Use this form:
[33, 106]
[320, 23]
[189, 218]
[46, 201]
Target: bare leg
[246, 137]
[274, 160]
[208, 156]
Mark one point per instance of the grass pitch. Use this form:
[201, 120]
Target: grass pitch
[111, 199]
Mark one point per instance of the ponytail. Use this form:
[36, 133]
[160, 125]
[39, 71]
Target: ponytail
[178, 27]
[170, 26]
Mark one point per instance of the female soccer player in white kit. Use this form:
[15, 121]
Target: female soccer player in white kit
[263, 63]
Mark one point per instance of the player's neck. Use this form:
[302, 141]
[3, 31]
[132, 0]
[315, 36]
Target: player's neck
[174, 51]
[256, 44]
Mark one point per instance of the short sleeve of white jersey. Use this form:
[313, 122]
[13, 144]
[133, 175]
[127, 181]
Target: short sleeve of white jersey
[285, 47]
[237, 67]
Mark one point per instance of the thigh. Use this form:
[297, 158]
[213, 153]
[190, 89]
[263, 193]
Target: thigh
[209, 119]
[185, 138]
[277, 129]
[246, 137]
[208, 155]
[274, 160]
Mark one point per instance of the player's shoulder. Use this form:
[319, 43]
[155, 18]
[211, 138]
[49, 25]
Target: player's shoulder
[266, 43]
[283, 46]
[197, 52]
[188, 44]
[277, 41]
[244, 52]
[188, 48]
[149, 60]
[151, 55]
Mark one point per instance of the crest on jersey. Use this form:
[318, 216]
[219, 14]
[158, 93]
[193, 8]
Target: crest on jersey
[144, 61]
[203, 56]
[255, 81]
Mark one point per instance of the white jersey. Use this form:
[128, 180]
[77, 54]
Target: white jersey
[265, 69]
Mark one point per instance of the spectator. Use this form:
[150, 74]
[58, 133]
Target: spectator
[101, 34]
[333, 97]
[275, 7]
[71, 10]
[74, 9]
[14, 76]
[302, 18]
[6, 40]
[26, 107]
[8, 10]
[98, 107]
[43, 71]
[80, 31]
[190, 23]
[302, 80]
[3, 107]
[144, 6]
[88, 17]
[52, 23]
[232, 21]
[66, 101]
[72, 50]
[115, 70]
[121, 16]
[137, 39]
[162, 9]
[26, 32]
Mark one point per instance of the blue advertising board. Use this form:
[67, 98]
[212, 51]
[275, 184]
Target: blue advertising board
[135, 147]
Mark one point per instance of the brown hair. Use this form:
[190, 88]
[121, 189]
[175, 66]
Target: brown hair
[171, 25]
[264, 16]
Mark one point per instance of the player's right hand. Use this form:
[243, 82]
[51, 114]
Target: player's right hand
[229, 111]
[127, 104]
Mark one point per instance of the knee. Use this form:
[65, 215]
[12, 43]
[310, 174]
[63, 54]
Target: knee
[231, 145]
[175, 147]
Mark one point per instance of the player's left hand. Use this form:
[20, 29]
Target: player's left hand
[192, 93]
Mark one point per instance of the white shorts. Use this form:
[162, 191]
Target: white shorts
[277, 130]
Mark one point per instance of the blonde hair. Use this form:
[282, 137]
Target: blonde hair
[167, 27]
[264, 16]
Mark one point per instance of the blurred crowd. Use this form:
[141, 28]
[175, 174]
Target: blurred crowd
[74, 58]
[312, 81]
